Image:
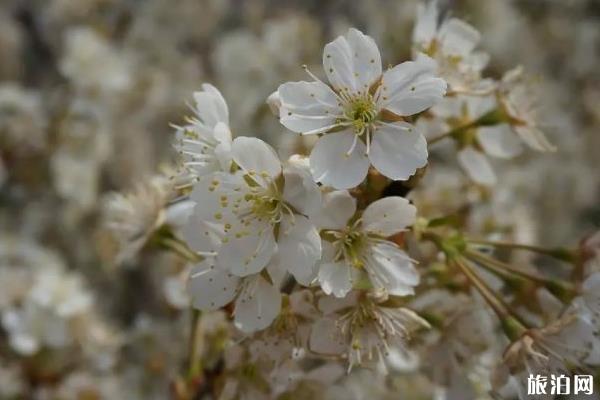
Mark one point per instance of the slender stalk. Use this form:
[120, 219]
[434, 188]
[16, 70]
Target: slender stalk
[194, 367]
[179, 248]
[560, 288]
[558, 253]
[513, 327]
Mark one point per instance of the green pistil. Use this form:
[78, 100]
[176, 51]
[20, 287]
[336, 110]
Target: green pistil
[353, 244]
[361, 112]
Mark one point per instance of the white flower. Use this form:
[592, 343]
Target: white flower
[477, 142]
[452, 45]
[262, 210]
[205, 142]
[518, 97]
[91, 63]
[362, 328]
[557, 349]
[359, 110]
[46, 315]
[354, 245]
[134, 216]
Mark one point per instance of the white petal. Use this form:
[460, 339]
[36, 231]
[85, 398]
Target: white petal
[458, 38]
[591, 292]
[333, 165]
[178, 214]
[210, 287]
[338, 207]
[211, 106]
[24, 343]
[426, 23]
[257, 306]
[326, 337]
[299, 247]
[308, 107]
[300, 190]
[398, 150]
[248, 254]
[499, 141]
[477, 166]
[223, 156]
[201, 235]
[274, 102]
[353, 62]
[388, 216]
[335, 278]
[534, 138]
[222, 132]
[208, 191]
[392, 269]
[255, 156]
[366, 58]
[338, 64]
[412, 87]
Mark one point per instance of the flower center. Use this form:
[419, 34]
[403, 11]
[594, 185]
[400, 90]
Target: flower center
[361, 112]
[266, 204]
[350, 246]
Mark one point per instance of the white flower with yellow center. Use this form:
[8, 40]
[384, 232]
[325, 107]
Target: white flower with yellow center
[263, 211]
[363, 328]
[359, 112]
[355, 245]
[205, 143]
[451, 44]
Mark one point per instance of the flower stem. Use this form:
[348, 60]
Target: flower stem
[180, 248]
[557, 253]
[194, 365]
[510, 323]
[559, 288]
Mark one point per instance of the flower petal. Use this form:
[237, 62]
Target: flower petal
[392, 269]
[457, 37]
[499, 141]
[326, 337]
[388, 216]
[308, 107]
[255, 156]
[352, 62]
[211, 106]
[300, 190]
[299, 247]
[335, 278]
[426, 23]
[366, 58]
[477, 166]
[398, 150]
[332, 163]
[257, 305]
[248, 254]
[338, 207]
[412, 87]
[210, 287]
[534, 138]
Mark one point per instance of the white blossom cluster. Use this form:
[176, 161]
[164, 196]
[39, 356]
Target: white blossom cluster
[405, 212]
